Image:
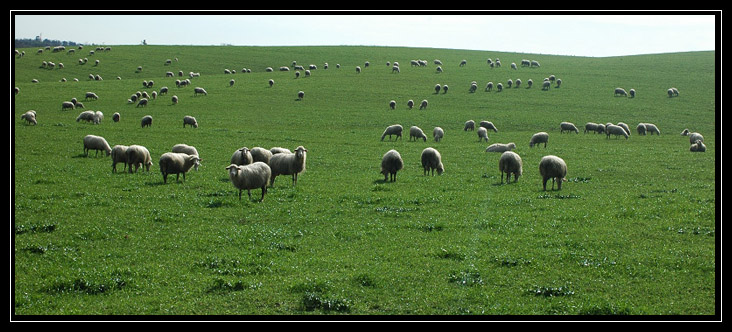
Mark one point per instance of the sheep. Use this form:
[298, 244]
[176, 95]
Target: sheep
[444, 89]
[469, 125]
[423, 104]
[473, 87]
[632, 93]
[499, 87]
[593, 127]
[513, 66]
[437, 88]
[431, 161]
[146, 121]
[185, 148]
[625, 127]
[300, 95]
[621, 92]
[438, 133]
[29, 117]
[395, 69]
[189, 120]
[559, 83]
[67, 104]
[463, 63]
[138, 155]
[698, 147]
[612, 129]
[489, 87]
[242, 156]
[119, 155]
[256, 175]
[86, 116]
[555, 168]
[142, 102]
[392, 130]
[439, 69]
[276, 150]
[358, 69]
[177, 163]
[199, 90]
[567, 126]
[517, 83]
[546, 85]
[270, 82]
[500, 147]
[288, 164]
[488, 126]
[410, 104]
[163, 91]
[97, 143]
[509, 83]
[392, 104]
[115, 117]
[538, 138]
[416, 133]
[174, 99]
[695, 137]
[651, 128]
[530, 82]
[509, 163]
[672, 92]
[260, 154]
[231, 82]
[391, 163]
[482, 134]
[91, 95]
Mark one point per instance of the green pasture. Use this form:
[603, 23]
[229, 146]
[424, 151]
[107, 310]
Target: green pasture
[632, 232]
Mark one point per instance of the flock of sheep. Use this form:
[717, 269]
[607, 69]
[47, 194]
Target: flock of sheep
[257, 168]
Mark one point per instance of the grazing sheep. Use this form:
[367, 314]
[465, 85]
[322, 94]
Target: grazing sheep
[395, 69]
[146, 121]
[67, 104]
[625, 127]
[231, 82]
[530, 82]
[693, 137]
[568, 126]
[138, 155]
[288, 164]
[97, 143]
[641, 128]
[260, 154]
[392, 104]
[439, 69]
[499, 87]
[698, 147]
[174, 100]
[300, 95]
[546, 85]
[538, 138]
[242, 156]
[416, 133]
[392, 130]
[142, 102]
[593, 127]
[517, 82]
[488, 126]
[431, 161]
[119, 155]
[115, 117]
[391, 163]
[270, 82]
[423, 104]
[410, 104]
[559, 83]
[177, 163]
[463, 63]
[651, 128]
[444, 88]
[632, 93]
[277, 150]
[248, 177]
[673, 92]
[437, 88]
[510, 163]
[473, 87]
[500, 147]
[199, 90]
[358, 69]
[555, 168]
[29, 117]
[438, 133]
[163, 91]
[469, 125]
[87, 116]
[482, 134]
[489, 87]
[185, 148]
[621, 92]
[189, 120]
[612, 129]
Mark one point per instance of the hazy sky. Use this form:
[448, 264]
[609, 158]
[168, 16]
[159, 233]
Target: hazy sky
[573, 34]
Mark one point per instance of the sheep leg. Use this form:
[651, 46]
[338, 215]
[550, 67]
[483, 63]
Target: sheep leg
[545, 179]
[240, 194]
[264, 191]
[165, 176]
[249, 192]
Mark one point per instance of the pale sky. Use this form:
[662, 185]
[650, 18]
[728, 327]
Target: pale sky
[545, 33]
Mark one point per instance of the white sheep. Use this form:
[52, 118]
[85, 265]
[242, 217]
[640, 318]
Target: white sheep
[276, 150]
[641, 129]
[91, 95]
[538, 138]
[695, 137]
[438, 87]
[594, 127]
[177, 163]
[431, 161]
[199, 90]
[248, 177]
[612, 129]
[568, 126]
[482, 134]
[417, 133]
[620, 91]
[115, 117]
[185, 148]
[300, 95]
[242, 156]
[469, 125]
[410, 104]
[625, 127]
[555, 168]
[632, 93]
[29, 117]
[67, 104]
[146, 121]
[438, 133]
[288, 164]
[500, 147]
[142, 102]
[423, 104]
[391, 163]
[546, 85]
[260, 154]
[510, 163]
[652, 128]
[488, 126]
[174, 99]
[189, 120]
[489, 87]
[97, 143]
[392, 104]
[698, 147]
[138, 155]
[393, 130]
[119, 155]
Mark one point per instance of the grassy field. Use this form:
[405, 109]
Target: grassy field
[632, 232]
